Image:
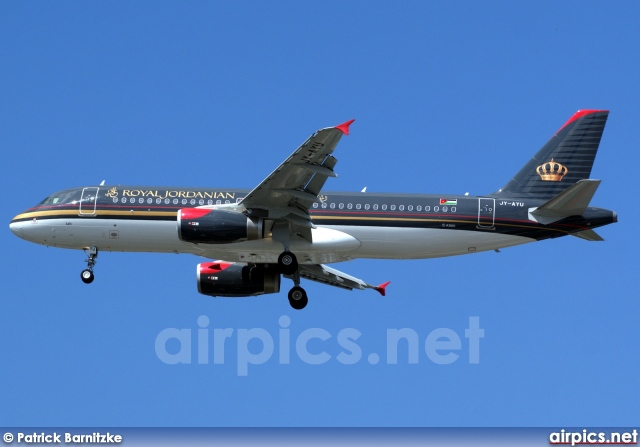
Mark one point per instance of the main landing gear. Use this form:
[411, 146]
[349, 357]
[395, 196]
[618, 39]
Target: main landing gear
[288, 265]
[87, 274]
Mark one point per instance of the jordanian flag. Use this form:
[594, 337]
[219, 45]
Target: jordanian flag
[453, 202]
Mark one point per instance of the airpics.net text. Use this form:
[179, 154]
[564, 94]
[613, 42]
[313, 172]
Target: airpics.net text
[313, 346]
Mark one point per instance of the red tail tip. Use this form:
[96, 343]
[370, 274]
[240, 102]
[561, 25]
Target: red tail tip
[579, 114]
[382, 288]
[344, 127]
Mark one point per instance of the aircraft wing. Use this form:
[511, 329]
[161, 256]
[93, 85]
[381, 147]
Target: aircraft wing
[330, 276]
[288, 192]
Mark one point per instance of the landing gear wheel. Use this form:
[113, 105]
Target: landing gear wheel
[87, 276]
[298, 298]
[287, 263]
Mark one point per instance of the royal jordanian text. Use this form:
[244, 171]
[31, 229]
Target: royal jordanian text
[67, 438]
[177, 194]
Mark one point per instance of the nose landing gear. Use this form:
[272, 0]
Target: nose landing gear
[87, 274]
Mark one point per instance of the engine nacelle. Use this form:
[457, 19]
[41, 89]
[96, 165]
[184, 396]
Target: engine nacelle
[207, 226]
[237, 280]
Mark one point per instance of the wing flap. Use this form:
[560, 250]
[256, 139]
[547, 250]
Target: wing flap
[330, 276]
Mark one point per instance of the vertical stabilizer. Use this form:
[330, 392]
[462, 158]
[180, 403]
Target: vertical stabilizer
[566, 158]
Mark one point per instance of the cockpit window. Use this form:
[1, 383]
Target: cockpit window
[48, 201]
[60, 198]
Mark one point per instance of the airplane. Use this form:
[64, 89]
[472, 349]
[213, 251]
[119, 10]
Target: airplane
[287, 227]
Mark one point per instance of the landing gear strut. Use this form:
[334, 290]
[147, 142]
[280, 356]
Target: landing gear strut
[87, 274]
[297, 296]
[288, 265]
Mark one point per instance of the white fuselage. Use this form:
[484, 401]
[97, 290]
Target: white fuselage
[331, 244]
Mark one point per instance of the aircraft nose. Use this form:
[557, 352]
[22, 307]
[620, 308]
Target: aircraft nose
[16, 228]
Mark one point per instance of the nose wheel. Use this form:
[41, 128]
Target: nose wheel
[87, 274]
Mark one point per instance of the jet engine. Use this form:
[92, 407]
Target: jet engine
[207, 226]
[236, 280]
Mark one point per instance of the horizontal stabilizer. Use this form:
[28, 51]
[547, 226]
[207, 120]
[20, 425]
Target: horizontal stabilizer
[588, 235]
[573, 201]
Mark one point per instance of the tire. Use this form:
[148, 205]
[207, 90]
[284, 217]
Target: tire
[298, 298]
[86, 276]
[287, 263]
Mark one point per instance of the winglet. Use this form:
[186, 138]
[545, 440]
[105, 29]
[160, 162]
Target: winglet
[381, 288]
[344, 127]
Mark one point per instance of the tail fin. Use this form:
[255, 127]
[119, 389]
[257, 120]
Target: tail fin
[566, 158]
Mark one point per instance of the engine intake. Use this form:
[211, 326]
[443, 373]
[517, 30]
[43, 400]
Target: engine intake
[207, 226]
[236, 280]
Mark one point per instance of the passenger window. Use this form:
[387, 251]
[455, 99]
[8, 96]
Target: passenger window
[341, 206]
[401, 207]
[375, 206]
[384, 207]
[315, 204]
[349, 206]
[418, 208]
[332, 206]
[410, 207]
[366, 206]
[392, 207]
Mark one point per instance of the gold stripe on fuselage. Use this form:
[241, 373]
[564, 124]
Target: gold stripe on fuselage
[98, 213]
[68, 213]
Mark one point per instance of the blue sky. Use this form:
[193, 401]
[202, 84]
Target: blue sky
[448, 98]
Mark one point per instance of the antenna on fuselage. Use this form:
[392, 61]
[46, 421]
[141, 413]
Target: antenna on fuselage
[102, 183]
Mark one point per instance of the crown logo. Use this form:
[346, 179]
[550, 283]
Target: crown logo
[113, 192]
[551, 171]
